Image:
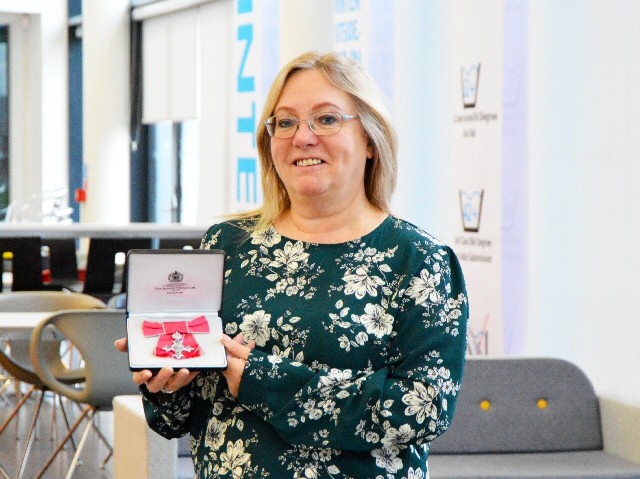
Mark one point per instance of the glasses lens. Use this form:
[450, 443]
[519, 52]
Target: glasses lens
[326, 123]
[270, 125]
[281, 126]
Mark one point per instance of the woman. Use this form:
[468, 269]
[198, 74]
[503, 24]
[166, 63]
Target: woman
[349, 324]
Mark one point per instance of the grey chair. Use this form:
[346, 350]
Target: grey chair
[106, 370]
[16, 359]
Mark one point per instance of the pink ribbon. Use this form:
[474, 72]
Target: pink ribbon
[176, 338]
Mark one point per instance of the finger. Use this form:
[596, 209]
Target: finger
[251, 344]
[159, 381]
[239, 338]
[235, 349]
[122, 344]
[141, 377]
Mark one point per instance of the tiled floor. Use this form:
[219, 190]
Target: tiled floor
[13, 442]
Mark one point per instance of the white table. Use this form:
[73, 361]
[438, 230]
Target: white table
[11, 322]
[91, 230]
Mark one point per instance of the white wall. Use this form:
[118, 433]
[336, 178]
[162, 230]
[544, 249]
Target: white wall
[106, 110]
[584, 171]
[53, 89]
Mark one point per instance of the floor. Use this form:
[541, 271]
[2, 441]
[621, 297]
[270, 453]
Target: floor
[13, 441]
[94, 452]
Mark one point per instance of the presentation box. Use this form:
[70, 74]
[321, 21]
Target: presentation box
[174, 298]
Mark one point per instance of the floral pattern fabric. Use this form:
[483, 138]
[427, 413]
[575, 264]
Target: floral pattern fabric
[360, 348]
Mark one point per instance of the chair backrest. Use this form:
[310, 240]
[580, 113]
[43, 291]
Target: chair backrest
[523, 405]
[179, 243]
[93, 333]
[26, 263]
[18, 363]
[35, 301]
[63, 261]
[100, 274]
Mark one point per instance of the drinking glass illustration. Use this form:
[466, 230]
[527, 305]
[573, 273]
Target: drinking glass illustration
[471, 209]
[470, 80]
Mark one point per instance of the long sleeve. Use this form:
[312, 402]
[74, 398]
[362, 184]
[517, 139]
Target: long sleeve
[410, 400]
[174, 415]
[168, 415]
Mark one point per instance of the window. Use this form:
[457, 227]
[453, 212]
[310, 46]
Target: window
[4, 121]
[75, 105]
[174, 148]
[164, 59]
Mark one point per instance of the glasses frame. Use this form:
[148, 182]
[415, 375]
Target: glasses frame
[310, 121]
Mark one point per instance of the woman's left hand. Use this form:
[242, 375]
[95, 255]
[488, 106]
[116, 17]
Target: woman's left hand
[237, 355]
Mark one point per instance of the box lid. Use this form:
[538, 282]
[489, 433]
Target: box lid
[174, 280]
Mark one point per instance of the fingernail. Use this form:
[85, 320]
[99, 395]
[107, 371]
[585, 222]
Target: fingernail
[226, 338]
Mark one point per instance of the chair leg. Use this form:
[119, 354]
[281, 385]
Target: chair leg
[54, 419]
[103, 464]
[66, 421]
[86, 411]
[85, 434]
[16, 409]
[6, 382]
[31, 437]
[16, 389]
[106, 443]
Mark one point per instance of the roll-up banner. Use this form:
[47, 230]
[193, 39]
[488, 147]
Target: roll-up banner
[475, 196]
[351, 29]
[244, 107]
[355, 22]
[475, 40]
[255, 62]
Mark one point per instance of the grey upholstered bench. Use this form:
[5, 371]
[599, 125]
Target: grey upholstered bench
[526, 418]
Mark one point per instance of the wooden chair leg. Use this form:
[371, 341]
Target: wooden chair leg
[16, 409]
[7, 381]
[85, 434]
[54, 419]
[31, 437]
[85, 412]
[66, 421]
[105, 442]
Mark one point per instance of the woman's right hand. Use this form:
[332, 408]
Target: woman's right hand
[166, 380]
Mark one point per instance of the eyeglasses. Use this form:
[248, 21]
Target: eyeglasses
[321, 124]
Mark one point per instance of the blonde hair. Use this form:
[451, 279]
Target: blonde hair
[350, 77]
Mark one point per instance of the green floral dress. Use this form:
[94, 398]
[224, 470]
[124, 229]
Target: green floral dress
[360, 349]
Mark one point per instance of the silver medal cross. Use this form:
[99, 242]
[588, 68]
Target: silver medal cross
[178, 346]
